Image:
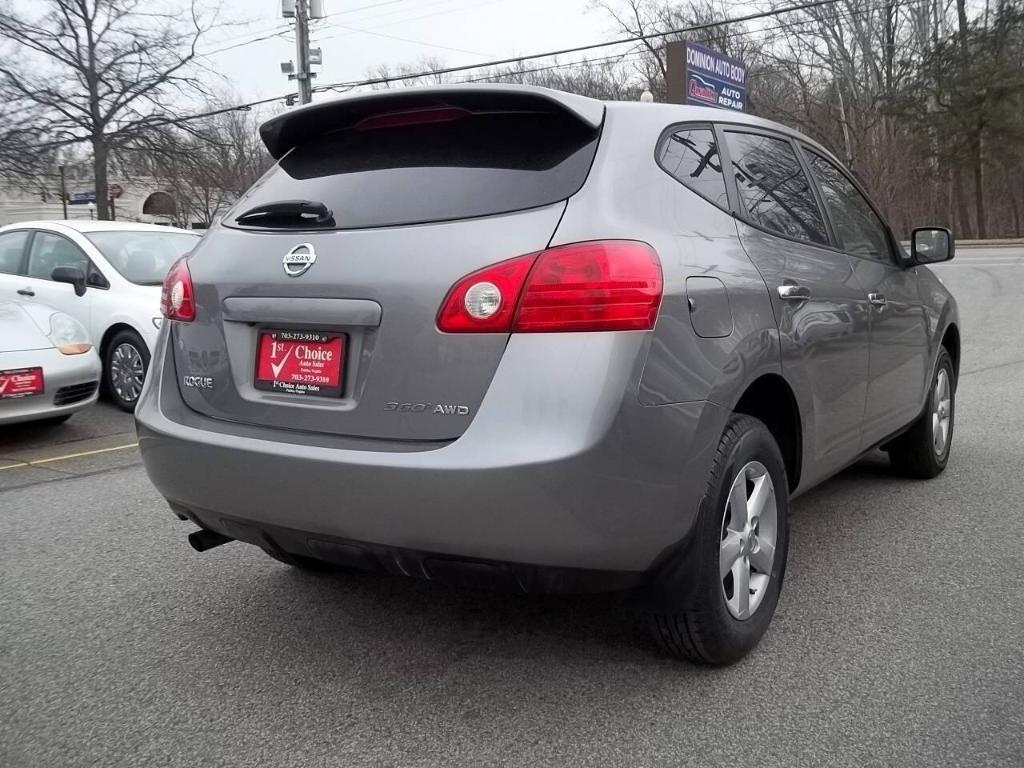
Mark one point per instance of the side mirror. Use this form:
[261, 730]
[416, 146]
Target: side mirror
[72, 275]
[930, 245]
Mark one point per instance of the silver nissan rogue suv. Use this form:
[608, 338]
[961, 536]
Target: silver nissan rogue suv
[506, 336]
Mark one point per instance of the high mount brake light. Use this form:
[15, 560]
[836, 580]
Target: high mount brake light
[177, 299]
[603, 285]
[428, 116]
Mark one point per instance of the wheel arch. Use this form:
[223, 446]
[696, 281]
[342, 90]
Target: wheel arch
[111, 332]
[951, 341]
[770, 399]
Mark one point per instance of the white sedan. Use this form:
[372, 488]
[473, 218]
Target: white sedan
[107, 275]
[48, 367]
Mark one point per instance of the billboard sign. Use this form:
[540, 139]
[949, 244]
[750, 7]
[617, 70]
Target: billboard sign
[714, 79]
[81, 198]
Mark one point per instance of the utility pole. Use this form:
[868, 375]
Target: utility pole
[302, 51]
[63, 193]
[302, 11]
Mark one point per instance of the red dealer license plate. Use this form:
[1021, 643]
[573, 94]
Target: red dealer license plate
[21, 382]
[300, 362]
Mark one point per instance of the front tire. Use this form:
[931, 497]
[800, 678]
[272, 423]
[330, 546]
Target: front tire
[125, 364]
[742, 538]
[923, 450]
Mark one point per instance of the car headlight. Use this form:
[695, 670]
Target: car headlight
[68, 335]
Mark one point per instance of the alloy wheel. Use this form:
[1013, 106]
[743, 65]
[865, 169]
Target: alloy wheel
[941, 413]
[127, 372]
[749, 536]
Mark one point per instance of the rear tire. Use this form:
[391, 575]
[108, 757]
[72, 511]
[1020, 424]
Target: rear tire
[125, 363]
[923, 450]
[720, 624]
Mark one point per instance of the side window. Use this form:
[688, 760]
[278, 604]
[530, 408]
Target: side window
[50, 251]
[855, 222]
[690, 155]
[773, 187]
[12, 246]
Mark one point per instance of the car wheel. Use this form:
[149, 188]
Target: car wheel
[923, 450]
[742, 537]
[124, 368]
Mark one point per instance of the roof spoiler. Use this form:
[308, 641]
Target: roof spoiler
[286, 131]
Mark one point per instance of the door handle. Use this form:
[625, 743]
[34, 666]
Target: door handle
[791, 292]
[26, 292]
[878, 299]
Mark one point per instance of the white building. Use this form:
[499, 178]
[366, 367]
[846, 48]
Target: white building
[136, 199]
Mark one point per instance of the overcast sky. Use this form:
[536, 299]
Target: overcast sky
[360, 34]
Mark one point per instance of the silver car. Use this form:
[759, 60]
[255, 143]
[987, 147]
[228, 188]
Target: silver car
[506, 336]
[48, 367]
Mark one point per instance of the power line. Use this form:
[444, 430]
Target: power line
[407, 40]
[279, 33]
[402, 19]
[364, 7]
[157, 122]
[581, 48]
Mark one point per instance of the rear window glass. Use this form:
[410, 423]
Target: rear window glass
[690, 155]
[773, 187]
[477, 165]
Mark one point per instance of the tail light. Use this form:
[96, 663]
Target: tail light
[177, 299]
[605, 285]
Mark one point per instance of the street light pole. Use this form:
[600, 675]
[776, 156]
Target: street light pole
[302, 51]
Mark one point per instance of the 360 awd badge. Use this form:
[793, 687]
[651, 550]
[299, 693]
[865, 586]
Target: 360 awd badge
[440, 409]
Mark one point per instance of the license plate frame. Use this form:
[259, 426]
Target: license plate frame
[299, 365]
[22, 382]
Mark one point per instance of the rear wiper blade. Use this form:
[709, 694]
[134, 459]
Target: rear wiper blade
[288, 213]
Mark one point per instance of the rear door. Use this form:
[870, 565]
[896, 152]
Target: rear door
[823, 333]
[898, 370]
[343, 254]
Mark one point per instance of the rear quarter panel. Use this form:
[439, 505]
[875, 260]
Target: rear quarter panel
[628, 195]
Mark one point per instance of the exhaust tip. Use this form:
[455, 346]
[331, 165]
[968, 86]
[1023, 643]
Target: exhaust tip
[203, 540]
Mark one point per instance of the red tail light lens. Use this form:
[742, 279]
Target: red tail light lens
[607, 285]
[612, 285]
[485, 301]
[177, 300]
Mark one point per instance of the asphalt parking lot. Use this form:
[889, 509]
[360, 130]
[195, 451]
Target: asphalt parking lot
[898, 640]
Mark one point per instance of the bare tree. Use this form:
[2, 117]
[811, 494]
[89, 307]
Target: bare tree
[102, 71]
[206, 168]
[425, 68]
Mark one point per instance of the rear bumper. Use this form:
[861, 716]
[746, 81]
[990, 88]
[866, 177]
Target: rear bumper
[67, 381]
[579, 486]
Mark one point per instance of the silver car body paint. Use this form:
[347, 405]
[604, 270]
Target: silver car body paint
[574, 450]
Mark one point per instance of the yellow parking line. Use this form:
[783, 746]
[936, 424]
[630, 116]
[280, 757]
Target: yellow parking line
[67, 456]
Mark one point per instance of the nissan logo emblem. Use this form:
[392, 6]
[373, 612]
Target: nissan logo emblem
[299, 259]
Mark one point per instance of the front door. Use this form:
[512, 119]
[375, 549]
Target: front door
[898, 370]
[48, 251]
[13, 244]
[823, 331]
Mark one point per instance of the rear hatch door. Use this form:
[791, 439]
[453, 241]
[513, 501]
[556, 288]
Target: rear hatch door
[377, 211]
